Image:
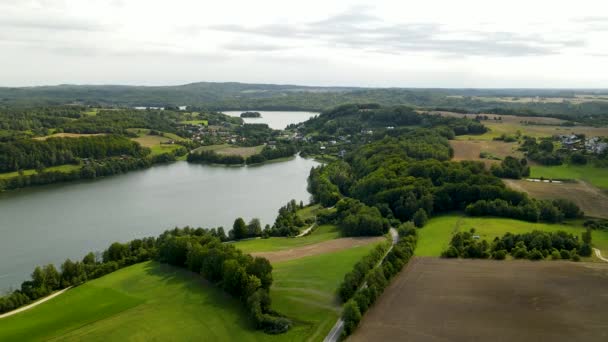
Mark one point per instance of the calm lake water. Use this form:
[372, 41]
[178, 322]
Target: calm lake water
[275, 120]
[51, 223]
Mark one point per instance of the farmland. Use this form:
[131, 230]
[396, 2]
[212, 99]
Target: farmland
[435, 236]
[594, 175]
[591, 200]
[67, 135]
[137, 302]
[471, 149]
[475, 300]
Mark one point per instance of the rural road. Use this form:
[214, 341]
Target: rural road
[16, 311]
[599, 254]
[336, 331]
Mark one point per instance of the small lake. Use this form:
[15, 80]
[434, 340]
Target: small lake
[275, 119]
[51, 223]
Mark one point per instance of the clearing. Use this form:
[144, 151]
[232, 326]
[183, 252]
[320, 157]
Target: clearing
[483, 300]
[590, 199]
[59, 168]
[435, 237]
[595, 175]
[158, 144]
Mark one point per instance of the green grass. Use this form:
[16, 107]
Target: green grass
[309, 211]
[435, 237]
[150, 301]
[594, 175]
[59, 168]
[160, 149]
[305, 291]
[319, 234]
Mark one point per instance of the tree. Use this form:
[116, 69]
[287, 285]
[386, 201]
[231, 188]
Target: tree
[351, 316]
[52, 277]
[420, 218]
[221, 234]
[239, 229]
[254, 228]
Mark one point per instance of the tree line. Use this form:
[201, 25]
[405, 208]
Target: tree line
[536, 245]
[31, 154]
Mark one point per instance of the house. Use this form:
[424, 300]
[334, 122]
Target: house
[322, 148]
[342, 153]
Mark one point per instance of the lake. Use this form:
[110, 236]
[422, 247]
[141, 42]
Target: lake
[51, 223]
[275, 119]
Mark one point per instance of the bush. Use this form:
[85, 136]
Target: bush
[535, 254]
[351, 316]
[499, 255]
[555, 255]
[564, 254]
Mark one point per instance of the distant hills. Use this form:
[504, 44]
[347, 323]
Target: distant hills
[244, 96]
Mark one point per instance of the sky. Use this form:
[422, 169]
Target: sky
[430, 43]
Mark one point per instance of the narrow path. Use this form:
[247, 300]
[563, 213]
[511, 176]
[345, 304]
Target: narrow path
[598, 254]
[306, 231]
[23, 308]
[336, 331]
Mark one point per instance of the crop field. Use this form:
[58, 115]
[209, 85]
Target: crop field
[577, 99]
[593, 175]
[435, 236]
[59, 168]
[150, 301]
[68, 135]
[227, 149]
[590, 199]
[483, 300]
[195, 122]
[470, 150]
[319, 234]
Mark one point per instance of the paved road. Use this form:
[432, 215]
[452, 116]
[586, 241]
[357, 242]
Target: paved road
[16, 311]
[599, 254]
[336, 331]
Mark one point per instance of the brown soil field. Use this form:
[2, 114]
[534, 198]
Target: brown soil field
[505, 118]
[318, 248]
[590, 199]
[470, 149]
[484, 300]
[67, 135]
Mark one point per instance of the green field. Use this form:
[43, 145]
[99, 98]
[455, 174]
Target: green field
[436, 234]
[150, 301]
[594, 175]
[321, 233]
[59, 168]
[309, 211]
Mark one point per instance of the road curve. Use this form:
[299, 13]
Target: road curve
[599, 254]
[23, 308]
[336, 331]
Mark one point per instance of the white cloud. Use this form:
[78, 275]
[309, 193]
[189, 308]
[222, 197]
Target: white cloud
[368, 43]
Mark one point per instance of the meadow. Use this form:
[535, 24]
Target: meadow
[594, 175]
[319, 234]
[435, 236]
[151, 301]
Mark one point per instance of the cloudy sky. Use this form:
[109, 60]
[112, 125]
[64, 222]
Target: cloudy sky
[400, 43]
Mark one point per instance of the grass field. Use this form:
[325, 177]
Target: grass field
[309, 211]
[150, 301]
[470, 150]
[593, 201]
[594, 175]
[156, 143]
[321, 233]
[59, 168]
[485, 300]
[435, 237]
[227, 149]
